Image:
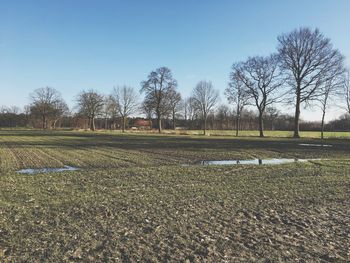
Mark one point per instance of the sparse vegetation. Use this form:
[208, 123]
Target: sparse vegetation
[133, 201]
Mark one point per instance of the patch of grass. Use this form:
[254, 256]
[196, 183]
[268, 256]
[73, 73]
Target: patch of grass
[252, 133]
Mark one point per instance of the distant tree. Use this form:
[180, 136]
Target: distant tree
[263, 82]
[147, 109]
[90, 104]
[223, 116]
[126, 101]
[272, 114]
[157, 88]
[346, 86]
[248, 120]
[26, 112]
[11, 116]
[59, 109]
[174, 103]
[237, 95]
[205, 98]
[109, 111]
[12, 109]
[190, 112]
[189, 109]
[43, 102]
[330, 89]
[307, 55]
[340, 124]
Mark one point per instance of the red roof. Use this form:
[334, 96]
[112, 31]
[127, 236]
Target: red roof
[141, 123]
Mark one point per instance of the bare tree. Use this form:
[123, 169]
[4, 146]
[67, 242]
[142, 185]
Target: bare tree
[237, 95]
[223, 116]
[126, 101]
[329, 89]
[272, 114]
[157, 88]
[346, 84]
[306, 56]
[110, 111]
[205, 98]
[262, 80]
[12, 109]
[11, 116]
[147, 109]
[112, 108]
[90, 104]
[43, 102]
[174, 103]
[189, 109]
[26, 111]
[59, 109]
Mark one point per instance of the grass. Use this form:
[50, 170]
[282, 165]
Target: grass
[252, 133]
[225, 133]
[133, 201]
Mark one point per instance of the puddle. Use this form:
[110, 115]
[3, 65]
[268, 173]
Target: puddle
[252, 161]
[315, 145]
[47, 170]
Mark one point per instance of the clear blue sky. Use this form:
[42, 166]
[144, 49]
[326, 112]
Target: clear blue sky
[73, 45]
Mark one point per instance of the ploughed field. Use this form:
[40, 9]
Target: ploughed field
[144, 198]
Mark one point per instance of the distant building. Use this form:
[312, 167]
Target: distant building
[141, 124]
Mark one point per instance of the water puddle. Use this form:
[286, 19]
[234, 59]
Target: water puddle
[48, 170]
[252, 161]
[315, 145]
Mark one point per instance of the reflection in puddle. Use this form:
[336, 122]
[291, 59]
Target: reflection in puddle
[315, 145]
[47, 170]
[253, 161]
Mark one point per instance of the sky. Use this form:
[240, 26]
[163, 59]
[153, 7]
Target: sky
[75, 45]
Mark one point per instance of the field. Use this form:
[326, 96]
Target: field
[143, 198]
[304, 134]
[245, 133]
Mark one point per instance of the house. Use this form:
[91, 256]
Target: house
[141, 124]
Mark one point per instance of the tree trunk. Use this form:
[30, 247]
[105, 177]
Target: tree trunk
[159, 123]
[174, 126]
[92, 124]
[297, 116]
[237, 125]
[54, 124]
[123, 123]
[150, 123]
[261, 124]
[44, 122]
[322, 124]
[205, 125]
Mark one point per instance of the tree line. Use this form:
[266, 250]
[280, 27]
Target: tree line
[306, 70]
